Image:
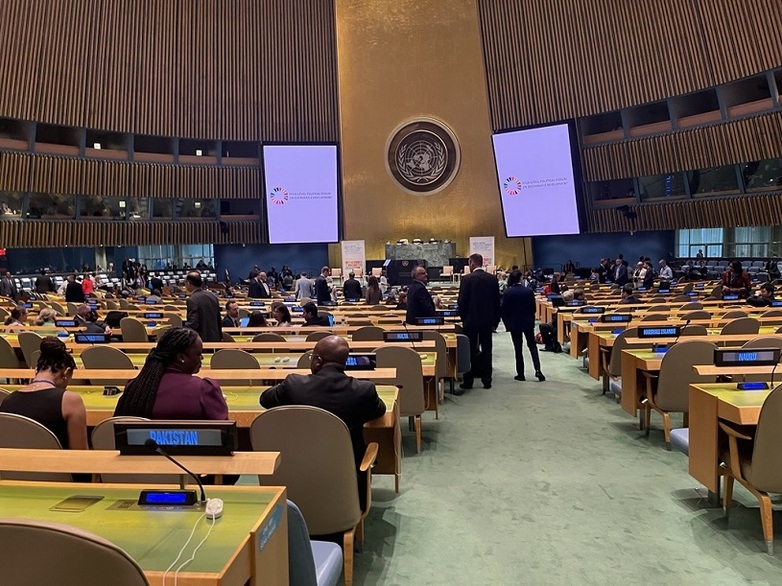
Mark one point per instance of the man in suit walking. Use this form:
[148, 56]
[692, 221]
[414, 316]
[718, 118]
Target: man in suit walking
[479, 308]
[354, 401]
[518, 315]
[203, 310]
[322, 292]
[419, 300]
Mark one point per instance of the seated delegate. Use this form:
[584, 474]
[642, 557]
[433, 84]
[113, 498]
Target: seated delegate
[46, 399]
[167, 388]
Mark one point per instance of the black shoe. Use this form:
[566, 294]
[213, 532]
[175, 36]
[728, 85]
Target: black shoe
[520, 377]
[458, 392]
[540, 376]
[465, 387]
[486, 385]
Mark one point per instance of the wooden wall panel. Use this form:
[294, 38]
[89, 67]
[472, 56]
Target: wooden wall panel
[212, 69]
[755, 210]
[739, 141]
[47, 234]
[548, 61]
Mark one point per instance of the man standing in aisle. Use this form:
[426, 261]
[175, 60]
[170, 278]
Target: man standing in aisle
[203, 310]
[419, 300]
[518, 314]
[322, 293]
[479, 308]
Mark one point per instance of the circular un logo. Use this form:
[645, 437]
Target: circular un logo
[423, 156]
[512, 186]
[278, 195]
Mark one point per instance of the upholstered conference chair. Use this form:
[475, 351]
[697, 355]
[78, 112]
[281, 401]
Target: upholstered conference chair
[320, 473]
[133, 330]
[669, 391]
[18, 431]
[310, 562]
[235, 359]
[409, 379]
[757, 462]
[106, 357]
[368, 333]
[71, 556]
[612, 361]
[741, 325]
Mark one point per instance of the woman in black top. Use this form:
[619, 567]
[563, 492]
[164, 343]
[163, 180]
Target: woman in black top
[46, 401]
[773, 270]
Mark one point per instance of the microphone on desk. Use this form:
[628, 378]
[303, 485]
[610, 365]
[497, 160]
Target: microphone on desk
[681, 329]
[412, 342]
[773, 370]
[153, 445]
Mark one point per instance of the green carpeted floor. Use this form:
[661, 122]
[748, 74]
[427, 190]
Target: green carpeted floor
[552, 483]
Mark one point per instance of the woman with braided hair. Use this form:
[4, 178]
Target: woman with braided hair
[46, 399]
[166, 388]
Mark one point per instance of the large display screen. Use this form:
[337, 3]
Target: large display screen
[301, 190]
[539, 186]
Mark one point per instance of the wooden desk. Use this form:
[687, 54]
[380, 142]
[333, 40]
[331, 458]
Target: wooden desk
[249, 543]
[634, 363]
[710, 403]
[714, 370]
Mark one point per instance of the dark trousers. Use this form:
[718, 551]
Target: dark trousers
[518, 341]
[480, 354]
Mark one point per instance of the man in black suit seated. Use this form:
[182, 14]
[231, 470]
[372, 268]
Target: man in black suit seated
[231, 319]
[764, 298]
[351, 289]
[419, 300]
[156, 282]
[628, 295]
[354, 401]
[479, 308]
[311, 317]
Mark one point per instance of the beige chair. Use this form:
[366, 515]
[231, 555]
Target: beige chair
[72, 556]
[319, 471]
[716, 293]
[688, 288]
[8, 358]
[655, 317]
[173, 318]
[29, 342]
[124, 303]
[409, 379]
[763, 342]
[111, 305]
[305, 360]
[742, 325]
[734, 314]
[226, 337]
[269, 337]
[771, 313]
[58, 308]
[491, 269]
[612, 360]
[133, 330]
[359, 273]
[102, 438]
[692, 306]
[359, 322]
[18, 431]
[659, 307]
[315, 336]
[3, 395]
[4, 313]
[757, 462]
[73, 308]
[368, 333]
[441, 366]
[234, 358]
[681, 299]
[669, 391]
[377, 272]
[336, 273]
[693, 315]
[694, 330]
[106, 357]
[448, 273]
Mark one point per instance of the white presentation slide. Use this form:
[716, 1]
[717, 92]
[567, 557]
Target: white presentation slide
[537, 187]
[301, 193]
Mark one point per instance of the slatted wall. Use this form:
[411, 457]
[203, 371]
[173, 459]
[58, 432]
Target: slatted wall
[243, 70]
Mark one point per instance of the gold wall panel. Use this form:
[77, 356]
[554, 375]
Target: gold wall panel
[403, 59]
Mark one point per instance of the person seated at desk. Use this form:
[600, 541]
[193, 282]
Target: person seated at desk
[46, 399]
[764, 297]
[311, 317]
[354, 401]
[46, 317]
[90, 320]
[155, 296]
[17, 317]
[401, 301]
[628, 295]
[351, 289]
[772, 270]
[231, 319]
[167, 388]
[282, 314]
[735, 280]
[257, 320]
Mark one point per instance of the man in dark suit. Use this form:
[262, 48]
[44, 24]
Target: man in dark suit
[518, 315]
[351, 289]
[259, 289]
[479, 308]
[322, 293]
[419, 300]
[74, 291]
[618, 273]
[44, 283]
[231, 319]
[354, 401]
[8, 287]
[311, 317]
[203, 310]
[156, 282]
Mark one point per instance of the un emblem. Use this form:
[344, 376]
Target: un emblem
[423, 156]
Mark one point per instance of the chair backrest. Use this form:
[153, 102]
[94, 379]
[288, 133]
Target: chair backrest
[441, 347]
[72, 556]
[59, 308]
[448, 270]
[658, 307]
[681, 298]
[73, 308]
[766, 471]
[620, 343]
[102, 438]
[377, 271]
[764, 342]
[694, 330]
[8, 358]
[655, 317]
[269, 337]
[742, 325]
[111, 304]
[368, 333]
[315, 336]
[691, 306]
[226, 337]
[317, 464]
[234, 358]
[133, 330]
[301, 561]
[698, 314]
[466, 269]
[772, 313]
[29, 342]
[688, 288]
[4, 313]
[716, 293]
[734, 314]
[676, 373]
[409, 377]
[18, 431]
[173, 318]
[3, 394]
[336, 273]
[463, 363]
[305, 360]
[96, 357]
